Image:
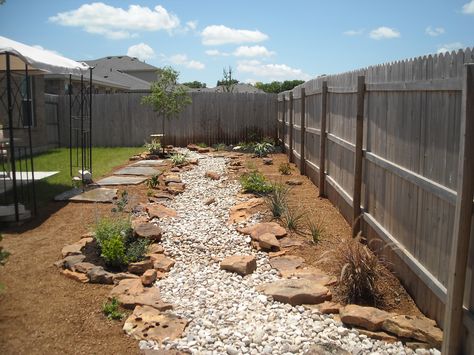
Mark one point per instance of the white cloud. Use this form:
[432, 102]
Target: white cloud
[449, 47]
[353, 32]
[192, 25]
[253, 51]
[37, 46]
[384, 33]
[142, 51]
[183, 60]
[271, 71]
[433, 32]
[216, 53]
[218, 34]
[468, 8]
[115, 22]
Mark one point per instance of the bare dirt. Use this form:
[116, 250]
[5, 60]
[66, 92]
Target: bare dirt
[43, 312]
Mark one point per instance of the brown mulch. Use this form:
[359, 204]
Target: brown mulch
[43, 312]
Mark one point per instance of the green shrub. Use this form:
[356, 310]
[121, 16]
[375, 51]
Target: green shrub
[202, 145]
[277, 199]
[268, 140]
[113, 251]
[111, 309]
[247, 147]
[154, 147]
[178, 159]
[107, 228]
[255, 182]
[285, 168]
[153, 181]
[136, 250]
[262, 149]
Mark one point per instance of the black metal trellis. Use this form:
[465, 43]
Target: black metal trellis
[17, 185]
[80, 127]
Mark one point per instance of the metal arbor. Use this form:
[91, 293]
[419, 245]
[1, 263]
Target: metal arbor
[17, 186]
[80, 127]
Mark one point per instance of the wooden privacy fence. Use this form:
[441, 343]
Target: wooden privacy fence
[121, 120]
[383, 144]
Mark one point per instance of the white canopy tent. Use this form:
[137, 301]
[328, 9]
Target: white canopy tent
[18, 62]
[38, 60]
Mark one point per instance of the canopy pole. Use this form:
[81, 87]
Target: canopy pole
[30, 122]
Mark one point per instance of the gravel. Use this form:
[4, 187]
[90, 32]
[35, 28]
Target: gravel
[227, 315]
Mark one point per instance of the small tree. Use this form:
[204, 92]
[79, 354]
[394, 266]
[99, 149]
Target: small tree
[167, 97]
[227, 82]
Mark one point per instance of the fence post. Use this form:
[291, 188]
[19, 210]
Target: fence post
[290, 136]
[358, 156]
[322, 140]
[453, 311]
[303, 132]
[283, 117]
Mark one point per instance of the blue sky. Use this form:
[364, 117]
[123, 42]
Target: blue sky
[261, 40]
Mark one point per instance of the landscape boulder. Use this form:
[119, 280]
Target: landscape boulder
[369, 318]
[148, 231]
[71, 260]
[161, 262]
[160, 211]
[131, 293]
[244, 210]
[415, 327]
[261, 228]
[241, 264]
[212, 175]
[76, 276]
[148, 277]
[83, 267]
[286, 264]
[97, 275]
[139, 267]
[294, 182]
[268, 241]
[148, 323]
[76, 248]
[296, 291]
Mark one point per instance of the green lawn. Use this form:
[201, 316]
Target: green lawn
[103, 161]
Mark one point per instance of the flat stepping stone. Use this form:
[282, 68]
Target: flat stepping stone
[288, 242]
[261, 228]
[296, 292]
[369, 318]
[121, 180]
[138, 170]
[149, 163]
[286, 264]
[101, 194]
[66, 195]
[131, 293]
[148, 323]
[241, 264]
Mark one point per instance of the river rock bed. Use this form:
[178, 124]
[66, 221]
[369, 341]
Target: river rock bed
[227, 315]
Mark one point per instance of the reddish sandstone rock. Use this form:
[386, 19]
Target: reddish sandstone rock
[161, 262]
[76, 276]
[212, 175]
[242, 211]
[241, 264]
[296, 292]
[140, 267]
[287, 264]
[369, 318]
[415, 327]
[261, 228]
[148, 231]
[268, 241]
[148, 277]
[160, 211]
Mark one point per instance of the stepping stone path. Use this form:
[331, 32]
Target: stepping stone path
[149, 163]
[138, 170]
[121, 180]
[226, 311]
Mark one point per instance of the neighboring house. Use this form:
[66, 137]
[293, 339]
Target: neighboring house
[110, 75]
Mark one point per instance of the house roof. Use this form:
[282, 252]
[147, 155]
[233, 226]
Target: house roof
[95, 79]
[133, 83]
[122, 63]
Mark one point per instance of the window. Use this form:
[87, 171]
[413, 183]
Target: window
[27, 109]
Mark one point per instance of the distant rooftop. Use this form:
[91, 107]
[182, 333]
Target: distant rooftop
[122, 63]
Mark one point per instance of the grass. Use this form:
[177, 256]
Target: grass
[316, 229]
[103, 161]
[293, 219]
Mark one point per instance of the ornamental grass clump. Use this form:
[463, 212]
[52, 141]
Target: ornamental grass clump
[293, 219]
[178, 159]
[154, 147]
[359, 271]
[255, 182]
[277, 200]
[315, 228]
[285, 169]
[261, 150]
